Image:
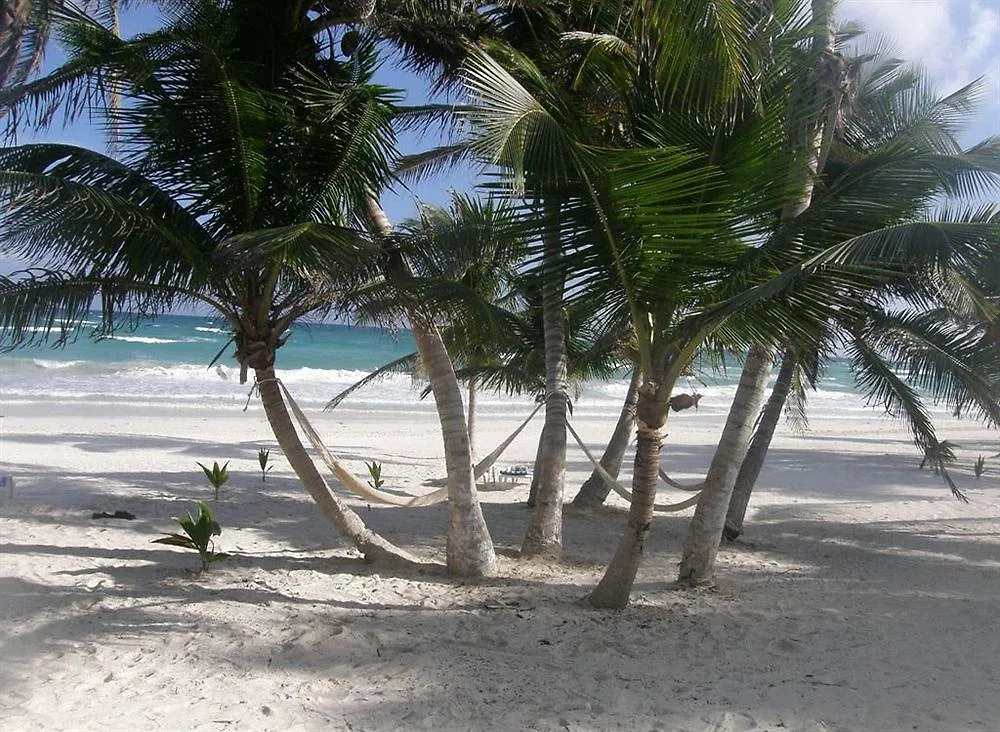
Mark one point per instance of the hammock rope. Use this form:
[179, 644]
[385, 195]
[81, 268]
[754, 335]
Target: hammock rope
[680, 486]
[373, 495]
[363, 490]
[624, 492]
[487, 462]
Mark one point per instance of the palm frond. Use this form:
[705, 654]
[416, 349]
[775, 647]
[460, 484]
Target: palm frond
[52, 306]
[73, 88]
[306, 248]
[66, 206]
[885, 388]
[513, 130]
[420, 166]
[424, 118]
[404, 364]
[944, 359]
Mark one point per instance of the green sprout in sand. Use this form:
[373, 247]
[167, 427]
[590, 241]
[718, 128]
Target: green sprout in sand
[375, 471]
[198, 533]
[217, 476]
[262, 458]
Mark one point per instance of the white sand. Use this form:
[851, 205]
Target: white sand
[864, 597]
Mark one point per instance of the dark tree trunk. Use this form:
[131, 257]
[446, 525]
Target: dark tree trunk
[595, 489]
[544, 533]
[616, 585]
[757, 452]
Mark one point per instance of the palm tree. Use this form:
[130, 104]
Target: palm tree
[244, 156]
[660, 234]
[659, 185]
[542, 51]
[530, 38]
[823, 95]
[897, 128]
[324, 24]
[466, 263]
[475, 244]
[753, 459]
[469, 548]
[946, 357]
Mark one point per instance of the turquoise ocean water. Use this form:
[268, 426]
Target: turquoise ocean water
[165, 362]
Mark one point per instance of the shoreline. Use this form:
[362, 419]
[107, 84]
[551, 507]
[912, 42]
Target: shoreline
[863, 597]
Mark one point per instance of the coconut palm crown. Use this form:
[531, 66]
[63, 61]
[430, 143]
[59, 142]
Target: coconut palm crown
[243, 153]
[675, 221]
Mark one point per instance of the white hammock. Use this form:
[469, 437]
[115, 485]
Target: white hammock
[362, 489]
[680, 486]
[624, 492]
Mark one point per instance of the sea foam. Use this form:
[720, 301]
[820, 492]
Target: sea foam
[166, 362]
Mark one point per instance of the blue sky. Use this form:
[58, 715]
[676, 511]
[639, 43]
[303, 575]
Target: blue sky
[956, 41]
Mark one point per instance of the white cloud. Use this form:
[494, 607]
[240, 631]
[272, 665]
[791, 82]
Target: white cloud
[956, 41]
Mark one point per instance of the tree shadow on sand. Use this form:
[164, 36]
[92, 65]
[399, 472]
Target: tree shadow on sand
[369, 647]
[311, 610]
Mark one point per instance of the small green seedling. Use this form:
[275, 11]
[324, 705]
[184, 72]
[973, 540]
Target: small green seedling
[217, 476]
[262, 458]
[197, 535]
[375, 471]
[980, 467]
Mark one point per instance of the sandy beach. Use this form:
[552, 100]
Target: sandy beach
[864, 597]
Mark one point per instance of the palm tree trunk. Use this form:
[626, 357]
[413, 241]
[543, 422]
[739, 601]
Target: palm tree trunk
[705, 532]
[615, 586]
[536, 476]
[595, 489]
[544, 534]
[757, 452]
[470, 551]
[472, 416]
[347, 522]
[816, 137]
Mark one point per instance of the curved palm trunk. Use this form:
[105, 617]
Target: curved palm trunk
[705, 532]
[347, 522]
[470, 551]
[595, 489]
[615, 586]
[757, 452]
[817, 138]
[544, 533]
